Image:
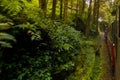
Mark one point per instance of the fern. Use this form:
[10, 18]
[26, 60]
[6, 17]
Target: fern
[13, 7]
[5, 38]
[4, 19]
[5, 26]
[5, 44]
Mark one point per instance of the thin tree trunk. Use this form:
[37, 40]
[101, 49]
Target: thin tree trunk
[83, 7]
[43, 6]
[54, 9]
[61, 8]
[80, 7]
[89, 18]
[77, 9]
[98, 6]
[94, 12]
[71, 7]
[65, 10]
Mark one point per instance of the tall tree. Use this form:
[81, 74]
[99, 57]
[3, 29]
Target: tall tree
[94, 11]
[96, 14]
[71, 7]
[43, 6]
[98, 6]
[61, 8]
[77, 7]
[65, 10]
[54, 9]
[40, 3]
[83, 7]
[89, 18]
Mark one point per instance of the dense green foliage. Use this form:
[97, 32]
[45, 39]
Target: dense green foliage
[43, 49]
[35, 48]
[41, 53]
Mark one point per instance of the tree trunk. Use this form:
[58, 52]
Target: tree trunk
[65, 10]
[94, 12]
[43, 6]
[83, 7]
[77, 8]
[88, 19]
[71, 7]
[40, 3]
[61, 8]
[97, 25]
[54, 9]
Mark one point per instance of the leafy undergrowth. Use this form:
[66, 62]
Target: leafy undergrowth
[91, 68]
[43, 49]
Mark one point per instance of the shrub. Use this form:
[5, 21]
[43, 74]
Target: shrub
[41, 52]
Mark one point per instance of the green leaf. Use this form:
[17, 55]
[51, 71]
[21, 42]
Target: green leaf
[67, 46]
[6, 36]
[5, 44]
[4, 26]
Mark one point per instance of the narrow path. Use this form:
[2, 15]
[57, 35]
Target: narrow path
[107, 73]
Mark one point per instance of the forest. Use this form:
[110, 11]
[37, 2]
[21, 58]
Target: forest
[54, 39]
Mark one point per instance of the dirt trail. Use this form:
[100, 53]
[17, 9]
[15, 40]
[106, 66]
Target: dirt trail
[107, 73]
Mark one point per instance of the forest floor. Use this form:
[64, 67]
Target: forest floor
[107, 73]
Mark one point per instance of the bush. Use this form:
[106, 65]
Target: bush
[41, 52]
[44, 49]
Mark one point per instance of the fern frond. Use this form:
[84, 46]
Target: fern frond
[5, 44]
[6, 36]
[12, 6]
[4, 19]
[22, 26]
[4, 26]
